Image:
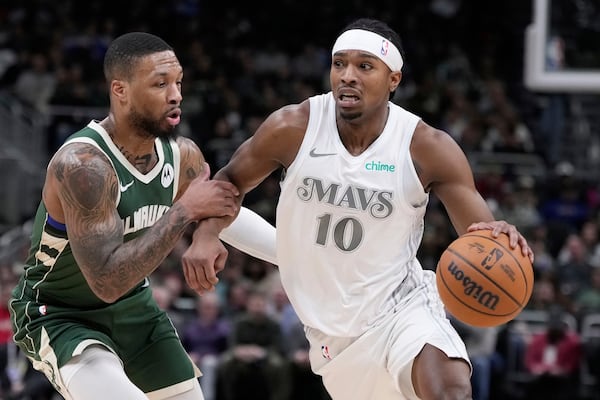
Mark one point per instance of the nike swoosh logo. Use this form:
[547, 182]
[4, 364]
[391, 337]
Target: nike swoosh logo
[123, 188]
[314, 154]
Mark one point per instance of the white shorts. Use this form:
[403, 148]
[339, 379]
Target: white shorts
[377, 365]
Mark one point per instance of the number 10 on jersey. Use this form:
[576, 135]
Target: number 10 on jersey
[347, 233]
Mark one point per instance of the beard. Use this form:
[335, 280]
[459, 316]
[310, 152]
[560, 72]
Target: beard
[150, 127]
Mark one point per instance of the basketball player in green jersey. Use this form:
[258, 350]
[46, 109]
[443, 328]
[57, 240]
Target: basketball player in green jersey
[118, 196]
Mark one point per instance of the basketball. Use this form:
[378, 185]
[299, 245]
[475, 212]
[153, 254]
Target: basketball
[482, 281]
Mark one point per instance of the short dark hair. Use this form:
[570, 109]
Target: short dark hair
[378, 27]
[126, 50]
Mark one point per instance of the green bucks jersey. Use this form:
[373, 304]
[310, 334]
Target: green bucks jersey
[51, 274]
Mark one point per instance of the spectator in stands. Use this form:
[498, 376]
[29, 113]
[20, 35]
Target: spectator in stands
[587, 301]
[71, 86]
[260, 275]
[552, 123]
[254, 367]
[305, 384]
[507, 135]
[221, 146]
[237, 297]
[591, 239]
[282, 309]
[544, 263]
[36, 84]
[459, 114]
[563, 207]
[520, 204]
[544, 295]
[165, 298]
[472, 136]
[229, 277]
[436, 235]
[311, 63]
[494, 101]
[205, 338]
[573, 270]
[553, 358]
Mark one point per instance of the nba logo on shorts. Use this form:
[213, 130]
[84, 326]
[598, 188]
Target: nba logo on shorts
[384, 47]
[325, 352]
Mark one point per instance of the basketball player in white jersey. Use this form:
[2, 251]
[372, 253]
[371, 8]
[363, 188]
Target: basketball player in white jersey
[358, 174]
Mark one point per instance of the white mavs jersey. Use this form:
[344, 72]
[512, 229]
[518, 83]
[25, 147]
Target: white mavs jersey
[348, 227]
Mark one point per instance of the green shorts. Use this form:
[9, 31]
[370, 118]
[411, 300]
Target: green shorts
[134, 328]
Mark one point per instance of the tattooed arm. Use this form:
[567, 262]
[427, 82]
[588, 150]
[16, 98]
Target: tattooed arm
[192, 164]
[84, 183]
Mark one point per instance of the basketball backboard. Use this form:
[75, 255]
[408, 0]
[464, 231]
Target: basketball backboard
[562, 50]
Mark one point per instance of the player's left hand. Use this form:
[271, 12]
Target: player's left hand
[515, 237]
[202, 261]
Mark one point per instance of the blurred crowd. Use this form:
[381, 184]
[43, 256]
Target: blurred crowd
[462, 74]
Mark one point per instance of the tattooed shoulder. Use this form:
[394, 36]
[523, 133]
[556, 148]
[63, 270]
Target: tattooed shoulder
[192, 159]
[85, 176]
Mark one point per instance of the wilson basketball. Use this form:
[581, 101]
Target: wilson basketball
[482, 281]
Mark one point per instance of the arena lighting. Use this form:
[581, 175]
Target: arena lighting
[539, 47]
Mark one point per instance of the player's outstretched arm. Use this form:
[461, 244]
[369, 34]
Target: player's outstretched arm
[86, 186]
[206, 256]
[445, 170]
[274, 145]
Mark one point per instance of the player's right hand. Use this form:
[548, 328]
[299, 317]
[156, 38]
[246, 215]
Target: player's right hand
[210, 198]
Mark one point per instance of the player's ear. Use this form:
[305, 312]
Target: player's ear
[395, 78]
[118, 88]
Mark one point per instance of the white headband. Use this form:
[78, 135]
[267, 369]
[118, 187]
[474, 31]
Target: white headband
[359, 39]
